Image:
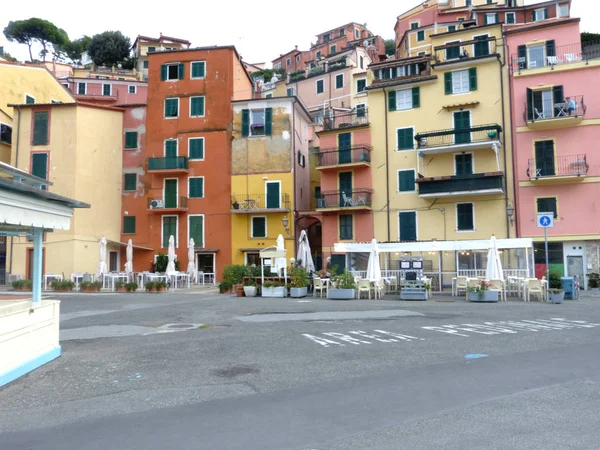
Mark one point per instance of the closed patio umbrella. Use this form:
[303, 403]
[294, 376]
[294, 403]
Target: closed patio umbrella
[171, 255]
[373, 266]
[102, 269]
[191, 268]
[280, 263]
[304, 255]
[129, 255]
[493, 270]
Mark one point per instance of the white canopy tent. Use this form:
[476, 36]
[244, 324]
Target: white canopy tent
[271, 254]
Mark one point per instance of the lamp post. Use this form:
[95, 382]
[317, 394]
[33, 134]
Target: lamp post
[285, 222]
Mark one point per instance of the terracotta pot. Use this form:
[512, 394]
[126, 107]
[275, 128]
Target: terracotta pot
[122, 289]
[162, 289]
[24, 289]
[239, 292]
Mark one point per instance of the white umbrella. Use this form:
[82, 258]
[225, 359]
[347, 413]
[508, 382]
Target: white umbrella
[171, 254]
[373, 267]
[493, 270]
[129, 255]
[304, 255]
[102, 269]
[280, 263]
[191, 268]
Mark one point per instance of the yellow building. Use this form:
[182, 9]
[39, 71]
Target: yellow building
[143, 45]
[269, 174]
[21, 83]
[78, 147]
[441, 141]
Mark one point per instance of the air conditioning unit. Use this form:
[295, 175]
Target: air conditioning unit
[155, 204]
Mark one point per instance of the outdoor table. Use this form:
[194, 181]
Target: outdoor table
[183, 276]
[51, 277]
[109, 278]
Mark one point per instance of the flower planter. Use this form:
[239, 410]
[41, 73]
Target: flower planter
[250, 291]
[161, 289]
[298, 292]
[492, 134]
[63, 290]
[23, 289]
[340, 294]
[556, 297]
[279, 291]
[483, 296]
[122, 289]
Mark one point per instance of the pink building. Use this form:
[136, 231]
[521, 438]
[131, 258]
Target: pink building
[556, 125]
[107, 91]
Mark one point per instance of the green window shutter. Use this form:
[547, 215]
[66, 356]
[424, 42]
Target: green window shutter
[529, 104]
[198, 70]
[416, 97]
[558, 93]
[464, 213]
[81, 88]
[196, 187]
[171, 107]
[485, 19]
[29, 100]
[533, 16]
[346, 226]
[420, 35]
[408, 226]
[497, 18]
[405, 139]
[522, 53]
[197, 106]
[196, 230]
[129, 225]
[145, 64]
[130, 182]
[171, 148]
[169, 229]
[196, 150]
[259, 228]
[406, 180]
[451, 28]
[545, 13]
[180, 71]
[163, 72]
[39, 165]
[245, 122]
[339, 81]
[131, 139]
[473, 78]
[268, 121]
[448, 83]
[40, 128]
[392, 101]
[550, 48]
[510, 18]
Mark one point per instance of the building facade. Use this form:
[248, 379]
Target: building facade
[143, 46]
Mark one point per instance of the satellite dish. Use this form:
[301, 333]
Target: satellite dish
[365, 43]
[119, 66]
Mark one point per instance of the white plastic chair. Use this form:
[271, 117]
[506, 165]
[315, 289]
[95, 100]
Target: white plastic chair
[572, 57]
[364, 286]
[319, 286]
[498, 286]
[461, 285]
[534, 286]
[347, 200]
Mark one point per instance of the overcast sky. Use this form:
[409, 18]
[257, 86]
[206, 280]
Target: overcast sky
[261, 30]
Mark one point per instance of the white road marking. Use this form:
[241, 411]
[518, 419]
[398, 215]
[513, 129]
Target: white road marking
[387, 337]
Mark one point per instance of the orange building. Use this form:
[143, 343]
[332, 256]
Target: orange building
[184, 185]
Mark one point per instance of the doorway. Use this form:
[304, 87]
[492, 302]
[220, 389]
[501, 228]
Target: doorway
[113, 261]
[462, 121]
[575, 268]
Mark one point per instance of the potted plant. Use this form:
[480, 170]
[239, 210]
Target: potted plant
[299, 283]
[62, 285]
[556, 293]
[492, 134]
[250, 287]
[225, 287]
[150, 286]
[342, 287]
[161, 286]
[482, 293]
[22, 285]
[594, 281]
[131, 287]
[273, 289]
[120, 286]
[239, 290]
[235, 205]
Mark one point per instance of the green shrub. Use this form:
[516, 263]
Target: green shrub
[225, 286]
[593, 280]
[162, 261]
[555, 282]
[235, 273]
[343, 281]
[150, 285]
[22, 284]
[131, 287]
[299, 278]
[272, 284]
[120, 284]
[250, 282]
[161, 285]
[62, 285]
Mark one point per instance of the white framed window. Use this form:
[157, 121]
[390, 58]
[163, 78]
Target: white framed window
[460, 82]
[536, 56]
[361, 109]
[320, 86]
[196, 187]
[107, 89]
[332, 49]
[356, 33]
[539, 14]
[269, 96]
[490, 18]
[404, 99]
[297, 58]
[406, 181]
[563, 10]
[339, 81]
[172, 72]
[196, 148]
[290, 92]
[132, 89]
[301, 160]
[5, 133]
[171, 109]
[196, 227]
[318, 55]
[197, 106]
[288, 62]
[258, 227]
[257, 122]
[361, 85]
[171, 148]
[510, 18]
[198, 69]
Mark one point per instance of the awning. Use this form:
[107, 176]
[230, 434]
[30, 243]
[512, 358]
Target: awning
[461, 105]
[434, 246]
[124, 244]
[206, 250]
[250, 250]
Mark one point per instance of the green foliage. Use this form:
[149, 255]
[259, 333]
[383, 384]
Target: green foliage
[161, 285]
[131, 287]
[344, 280]
[120, 284]
[162, 261]
[97, 285]
[34, 29]
[150, 285]
[594, 280]
[267, 74]
[254, 271]
[390, 46]
[235, 273]
[109, 48]
[73, 49]
[8, 57]
[480, 287]
[22, 284]
[62, 285]
[555, 282]
[588, 37]
[250, 282]
[299, 278]
[272, 284]
[225, 286]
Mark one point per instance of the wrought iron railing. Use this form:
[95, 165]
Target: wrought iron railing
[459, 183]
[561, 166]
[569, 107]
[457, 51]
[359, 153]
[262, 202]
[345, 198]
[346, 120]
[442, 138]
[168, 202]
[299, 75]
[168, 163]
[337, 65]
[315, 72]
[555, 56]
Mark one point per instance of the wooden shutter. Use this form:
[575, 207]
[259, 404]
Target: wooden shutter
[408, 226]
[416, 97]
[557, 93]
[40, 128]
[129, 225]
[171, 148]
[464, 215]
[180, 71]
[258, 227]
[392, 101]
[550, 48]
[545, 13]
[273, 195]
[544, 158]
[485, 19]
[196, 230]
[522, 53]
[529, 104]
[497, 18]
[131, 139]
[406, 180]
[130, 182]
[268, 121]
[169, 229]
[163, 72]
[405, 139]
[448, 83]
[196, 187]
[39, 165]
[196, 150]
[533, 16]
[197, 106]
[245, 122]
[346, 226]
[473, 78]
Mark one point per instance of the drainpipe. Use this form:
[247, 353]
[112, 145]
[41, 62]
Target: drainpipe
[12, 239]
[295, 158]
[514, 160]
[387, 171]
[501, 66]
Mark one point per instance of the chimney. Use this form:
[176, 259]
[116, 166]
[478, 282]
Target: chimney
[296, 47]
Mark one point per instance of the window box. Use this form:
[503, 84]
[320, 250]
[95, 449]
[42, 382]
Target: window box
[274, 292]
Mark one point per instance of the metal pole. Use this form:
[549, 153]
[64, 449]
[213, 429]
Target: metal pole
[547, 265]
[38, 234]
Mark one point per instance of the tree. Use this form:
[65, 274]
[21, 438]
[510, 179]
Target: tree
[73, 49]
[588, 37]
[31, 30]
[7, 57]
[109, 48]
[390, 47]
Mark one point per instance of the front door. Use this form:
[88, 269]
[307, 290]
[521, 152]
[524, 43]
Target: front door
[462, 121]
[482, 48]
[575, 268]
[544, 159]
[464, 164]
[344, 148]
[113, 261]
[170, 193]
[345, 187]
[273, 195]
[338, 262]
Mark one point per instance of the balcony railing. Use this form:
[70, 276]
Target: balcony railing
[445, 138]
[251, 203]
[337, 65]
[169, 202]
[298, 75]
[346, 120]
[460, 183]
[575, 107]
[561, 166]
[360, 153]
[464, 51]
[345, 198]
[547, 56]
[168, 163]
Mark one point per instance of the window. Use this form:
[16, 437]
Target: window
[169, 228]
[39, 165]
[173, 71]
[356, 33]
[151, 49]
[464, 217]
[332, 49]
[482, 46]
[29, 99]
[421, 54]
[346, 226]
[318, 56]
[196, 148]
[539, 14]
[171, 107]
[269, 96]
[406, 180]
[297, 58]
[361, 62]
[404, 99]
[405, 139]
[40, 128]
[107, 89]
[563, 10]
[453, 52]
[420, 36]
[407, 225]
[196, 230]
[510, 17]
[463, 164]
[258, 227]
[301, 160]
[171, 148]
[320, 86]
[361, 110]
[128, 224]
[130, 182]
[326, 37]
[414, 25]
[339, 81]
[196, 106]
[536, 56]
[132, 89]
[491, 18]
[5, 133]
[290, 92]
[468, 2]
[131, 139]
[145, 64]
[288, 62]
[547, 204]
[342, 32]
[489, 2]
[451, 28]
[196, 187]
[257, 122]
[461, 81]
[66, 85]
[544, 159]
[361, 85]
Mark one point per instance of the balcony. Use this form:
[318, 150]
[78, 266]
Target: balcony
[356, 155]
[550, 56]
[558, 169]
[350, 119]
[461, 185]
[542, 114]
[259, 203]
[467, 51]
[168, 164]
[406, 71]
[347, 199]
[452, 140]
[171, 204]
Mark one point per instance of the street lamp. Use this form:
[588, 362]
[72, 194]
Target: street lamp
[510, 210]
[285, 221]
